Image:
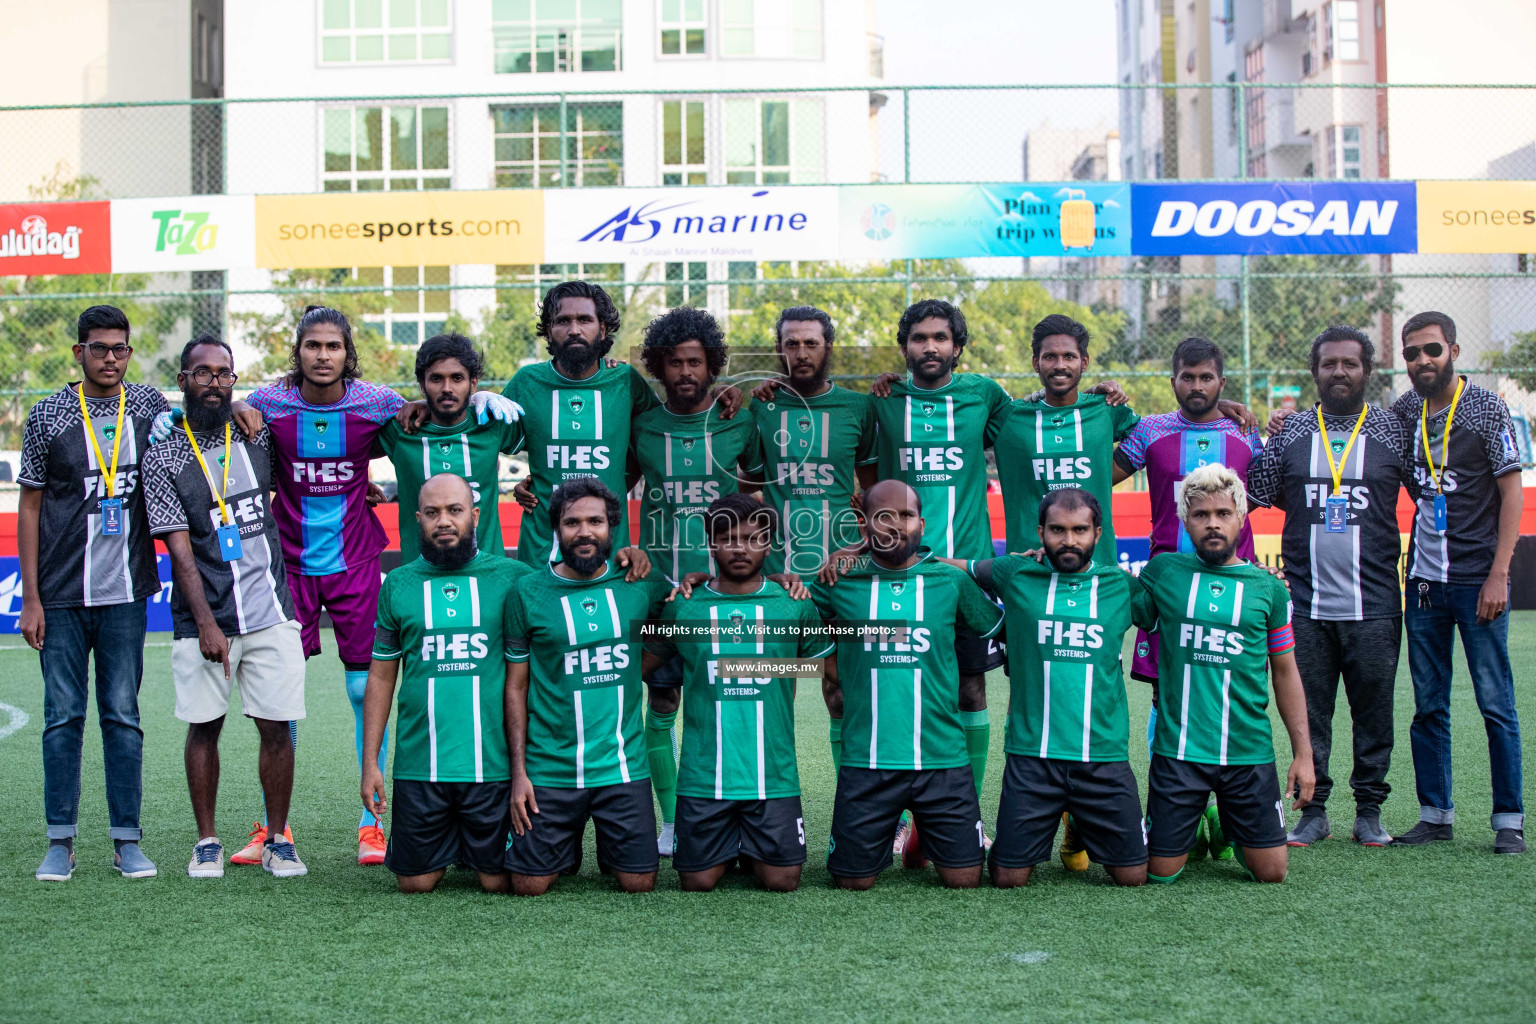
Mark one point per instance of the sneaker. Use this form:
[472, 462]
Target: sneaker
[1217, 844]
[1368, 831]
[58, 865]
[1509, 840]
[251, 852]
[1313, 828]
[667, 841]
[131, 862]
[912, 851]
[371, 844]
[1074, 857]
[900, 842]
[207, 860]
[281, 860]
[1424, 832]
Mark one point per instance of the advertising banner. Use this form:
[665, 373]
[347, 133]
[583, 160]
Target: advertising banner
[1477, 216]
[381, 229]
[55, 238]
[1234, 218]
[183, 233]
[611, 225]
[158, 608]
[886, 222]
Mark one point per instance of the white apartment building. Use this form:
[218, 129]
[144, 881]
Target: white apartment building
[652, 92]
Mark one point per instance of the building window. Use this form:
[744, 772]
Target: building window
[1344, 151]
[369, 149]
[773, 142]
[685, 284]
[682, 28]
[771, 28]
[682, 143]
[544, 276]
[742, 298]
[555, 35]
[208, 54]
[1229, 19]
[365, 31]
[411, 313]
[1342, 20]
[527, 141]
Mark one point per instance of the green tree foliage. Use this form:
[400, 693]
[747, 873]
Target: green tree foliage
[1518, 360]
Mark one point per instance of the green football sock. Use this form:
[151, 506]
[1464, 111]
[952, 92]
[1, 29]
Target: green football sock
[835, 733]
[1160, 880]
[1243, 862]
[978, 739]
[662, 755]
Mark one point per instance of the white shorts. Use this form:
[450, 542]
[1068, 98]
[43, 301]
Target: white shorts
[268, 664]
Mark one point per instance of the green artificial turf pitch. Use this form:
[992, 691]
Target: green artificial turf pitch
[1444, 932]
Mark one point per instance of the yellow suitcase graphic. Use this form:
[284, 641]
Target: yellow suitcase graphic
[1076, 220]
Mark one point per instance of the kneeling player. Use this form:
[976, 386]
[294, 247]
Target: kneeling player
[442, 615]
[738, 787]
[1067, 736]
[1218, 615]
[899, 700]
[573, 707]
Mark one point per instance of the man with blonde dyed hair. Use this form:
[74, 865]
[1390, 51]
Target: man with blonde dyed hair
[1220, 618]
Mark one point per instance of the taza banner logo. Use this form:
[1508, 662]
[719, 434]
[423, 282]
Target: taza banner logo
[185, 233]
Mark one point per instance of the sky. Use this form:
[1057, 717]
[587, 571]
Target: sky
[979, 135]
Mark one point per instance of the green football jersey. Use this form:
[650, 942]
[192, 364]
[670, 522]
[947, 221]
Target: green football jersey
[575, 428]
[1047, 448]
[901, 699]
[1063, 630]
[688, 462]
[809, 448]
[739, 734]
[935, 441]
[584, 689]
[446, 627]
[1218, 627]
[468, 449]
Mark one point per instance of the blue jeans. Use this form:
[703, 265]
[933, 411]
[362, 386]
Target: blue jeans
[1431, 637]
[116, 634]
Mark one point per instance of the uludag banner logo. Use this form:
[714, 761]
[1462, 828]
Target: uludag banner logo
[55, 238]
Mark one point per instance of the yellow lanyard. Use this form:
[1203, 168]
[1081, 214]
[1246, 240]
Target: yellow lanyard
[229, 457]
[117, 435]
[1445, 441]
[1337, 468]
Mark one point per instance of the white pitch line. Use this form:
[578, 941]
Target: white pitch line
[1035, 956]
[18, 720]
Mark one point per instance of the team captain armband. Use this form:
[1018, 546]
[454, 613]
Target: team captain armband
[1282, 640]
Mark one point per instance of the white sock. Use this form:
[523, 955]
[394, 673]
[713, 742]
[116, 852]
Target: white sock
[209, 839]
[666, 828]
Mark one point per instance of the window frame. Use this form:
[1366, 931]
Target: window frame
[1338, 167]
[385, 174]
[574, 32]
[790, 29]
[386, 321]
[384, 32]
[685, 169]
[683, 25]
[538, 165]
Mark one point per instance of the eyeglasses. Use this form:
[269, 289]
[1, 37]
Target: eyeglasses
[204, 376]
[1429, 348]
[100, 351]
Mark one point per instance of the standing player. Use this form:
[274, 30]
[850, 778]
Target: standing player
[206, 490]
[818, 445]
[739, 786]
[1336, 470]
[689, 455]
[900, 701]
[573, 703]
[84, 589]
[1213, 733]
[932, 429]
[1066, 439]
[1170, 446]
[817, 441]
[442, 615]
[452, 440]
[1067, 739]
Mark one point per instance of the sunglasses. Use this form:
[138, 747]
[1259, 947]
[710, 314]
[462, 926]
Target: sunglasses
[1433, 349]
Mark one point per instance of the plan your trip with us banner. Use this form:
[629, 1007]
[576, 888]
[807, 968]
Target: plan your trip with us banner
[1075, 218]
[382, 229]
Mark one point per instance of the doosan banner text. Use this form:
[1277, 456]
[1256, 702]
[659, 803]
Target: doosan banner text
[1236, 218]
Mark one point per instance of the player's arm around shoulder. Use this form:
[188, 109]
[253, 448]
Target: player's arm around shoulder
[974, 607]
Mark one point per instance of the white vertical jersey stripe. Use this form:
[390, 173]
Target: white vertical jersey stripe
[474, 703]
[581, 743]
[431, 729]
